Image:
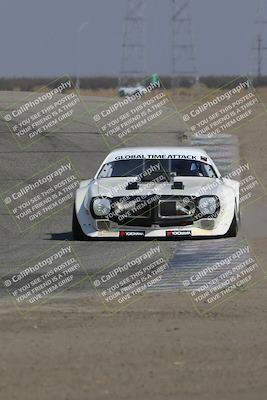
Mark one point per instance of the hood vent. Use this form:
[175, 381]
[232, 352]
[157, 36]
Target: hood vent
[132, 186]
[178, 185]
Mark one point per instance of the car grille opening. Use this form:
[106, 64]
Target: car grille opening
[152, 210]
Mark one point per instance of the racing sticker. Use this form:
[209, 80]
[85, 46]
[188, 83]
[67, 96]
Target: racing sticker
[133, 234]
[177, 233]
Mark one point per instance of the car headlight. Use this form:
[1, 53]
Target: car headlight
[207, 205]
[101, 207]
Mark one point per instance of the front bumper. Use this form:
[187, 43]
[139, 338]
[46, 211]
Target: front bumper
[212, 227]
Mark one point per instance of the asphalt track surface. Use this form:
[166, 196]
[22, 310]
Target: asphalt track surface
[81, 141]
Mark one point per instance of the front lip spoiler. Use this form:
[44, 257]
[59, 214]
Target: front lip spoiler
[156, 234]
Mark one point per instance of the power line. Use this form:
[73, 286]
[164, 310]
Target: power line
[183, 49]
[259, 47]
[133, 46]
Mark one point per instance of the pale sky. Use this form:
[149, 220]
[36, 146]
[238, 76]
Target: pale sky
[39, 37]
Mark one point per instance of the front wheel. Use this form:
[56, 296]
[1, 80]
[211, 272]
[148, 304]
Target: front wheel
[233, 230]
[77, 233]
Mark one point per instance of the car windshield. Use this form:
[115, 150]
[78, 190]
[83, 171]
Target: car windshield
[146, 169]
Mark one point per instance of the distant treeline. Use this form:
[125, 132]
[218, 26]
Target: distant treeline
[106, 82]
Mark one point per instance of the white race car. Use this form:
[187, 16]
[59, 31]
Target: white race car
[156, 192]
[131, 90]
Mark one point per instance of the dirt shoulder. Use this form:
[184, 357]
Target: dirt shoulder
[157, 348]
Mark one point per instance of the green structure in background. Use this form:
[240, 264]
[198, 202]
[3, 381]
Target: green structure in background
[154, 78]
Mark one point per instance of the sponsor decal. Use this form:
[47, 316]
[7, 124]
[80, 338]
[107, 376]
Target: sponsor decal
[159, 156]
[178, 233]
[132, 233]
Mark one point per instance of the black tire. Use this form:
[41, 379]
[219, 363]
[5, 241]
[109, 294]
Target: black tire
[233, 230]
[77, 233]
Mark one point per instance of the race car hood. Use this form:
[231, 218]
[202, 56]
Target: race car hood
[117, 187]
